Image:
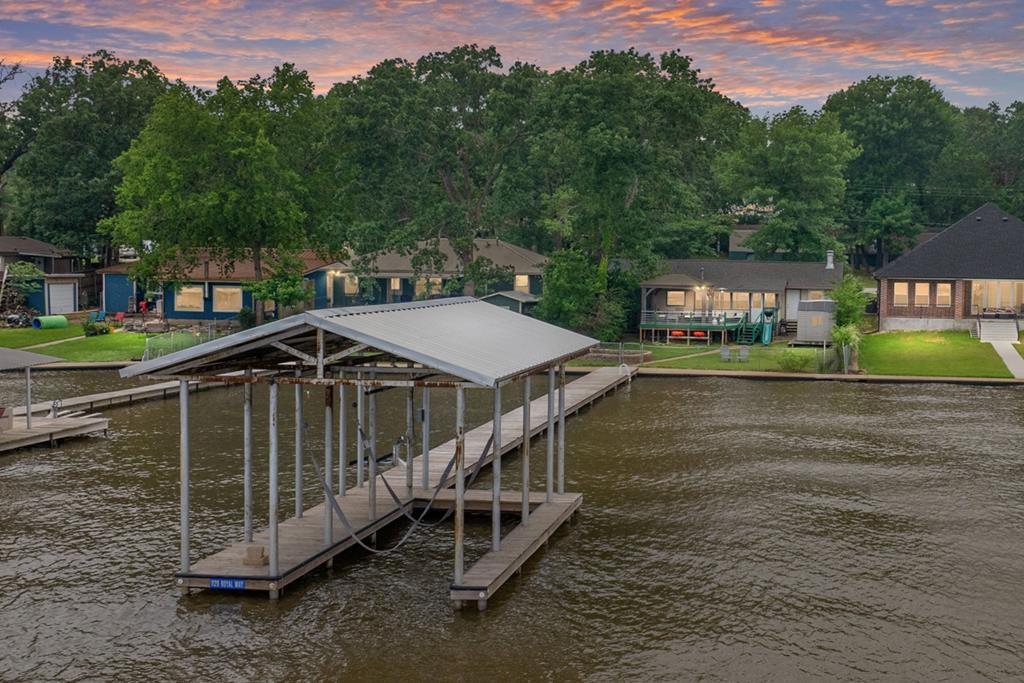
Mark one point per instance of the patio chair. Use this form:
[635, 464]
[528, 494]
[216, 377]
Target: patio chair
[119, 317]
[744, 354]
[725, 353]
[101, 316]
[91, 318]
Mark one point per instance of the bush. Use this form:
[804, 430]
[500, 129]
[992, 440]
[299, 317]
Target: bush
[791, 360]
[850, 301]
[845, 340]
[95, 329]
[246, 318]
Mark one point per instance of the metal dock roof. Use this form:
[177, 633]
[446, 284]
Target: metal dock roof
[464, 337]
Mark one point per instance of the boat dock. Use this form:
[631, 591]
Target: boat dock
[301, 539]
[49, 431]
[107, 399]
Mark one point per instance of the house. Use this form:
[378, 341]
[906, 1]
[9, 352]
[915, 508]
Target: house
[394, 277]
[207, 293]
[210, 294]
[513, 300]
[733, 290]
[61, 286]
[971, 270]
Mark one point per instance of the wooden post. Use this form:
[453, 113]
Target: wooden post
[526, 449]
[425, 437]
[185, 564]
[460, 481]
[549, 489]
[561, 428]
[328, 460]
[273, 568]
[496, 470]
[247, 458]
[342, 439]
[298, 445]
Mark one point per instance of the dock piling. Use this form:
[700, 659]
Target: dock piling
[460, 480]
[247, 458]
[550, 472]
[426, 437]
[272, 551]
[526, 449]
[185, 464]
[496, 471]
[342, 440]
[298, 446]
[561, 429]
[328, 459]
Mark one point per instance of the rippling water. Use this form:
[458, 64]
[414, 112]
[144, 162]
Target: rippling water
[730, 530]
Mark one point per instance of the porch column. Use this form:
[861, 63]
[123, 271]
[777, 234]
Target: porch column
[273, 568]
[496, 470]
[526, 449]
[298, 445]
[425, 437]
[460, 481]
[342, 439]
[561, 428]
[185, 565]
[247, 458]
[549, 490]
[328, 460]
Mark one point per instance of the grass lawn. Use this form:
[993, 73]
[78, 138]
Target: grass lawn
[106, 347]
[659, 352]
[1020, 347]
[940, 354]
[762, 358]
[20, 337]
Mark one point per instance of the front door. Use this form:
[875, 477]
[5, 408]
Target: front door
[792, 303]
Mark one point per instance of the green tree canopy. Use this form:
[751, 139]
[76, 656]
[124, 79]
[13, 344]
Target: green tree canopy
[792, 166]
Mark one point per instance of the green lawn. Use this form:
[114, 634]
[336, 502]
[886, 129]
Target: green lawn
[20, 337]
[1020, 347]
[940, 354]
[762, 358]
[659, 352]
[107, 347]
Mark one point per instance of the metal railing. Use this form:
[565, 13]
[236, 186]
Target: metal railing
[159, 345]
[692, 318]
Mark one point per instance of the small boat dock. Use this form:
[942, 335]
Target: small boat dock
[49, 430]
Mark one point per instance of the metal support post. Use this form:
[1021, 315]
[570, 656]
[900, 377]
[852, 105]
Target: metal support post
[184, 445]
[460, 481]
[342, 440]
[496, 470]
[549, 489]
[298, 445]
[410, 402]
[561, 428]
[328, 460]
[372, 494]
[426, 437]
[526, 449]
[360, 431]
[273, 568]
[247, 458]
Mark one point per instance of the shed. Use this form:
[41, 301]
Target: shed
[513, 300]
[814, 321]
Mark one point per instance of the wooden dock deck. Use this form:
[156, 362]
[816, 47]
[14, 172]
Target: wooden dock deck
[106, 399]
[301, 544]
[49, 431]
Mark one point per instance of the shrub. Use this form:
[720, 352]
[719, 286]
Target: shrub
[850, 301]
[246, 318]
[792, 360]
[95, 329]
[845, 340]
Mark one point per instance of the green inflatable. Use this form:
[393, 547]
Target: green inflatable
[49, 322]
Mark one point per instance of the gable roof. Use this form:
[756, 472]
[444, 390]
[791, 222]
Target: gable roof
[987, 243]
[464, 337]
[501, 253]
[754, 276]
[27, 246]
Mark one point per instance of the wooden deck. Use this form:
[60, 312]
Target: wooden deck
[117, 397]
[301, 545]
[49, 431]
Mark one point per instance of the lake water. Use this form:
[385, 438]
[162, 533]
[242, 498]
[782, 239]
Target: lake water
[730, 530]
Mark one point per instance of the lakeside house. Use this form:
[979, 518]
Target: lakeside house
[730, 289]
[972, 270]
[61, 285]
[210, 293]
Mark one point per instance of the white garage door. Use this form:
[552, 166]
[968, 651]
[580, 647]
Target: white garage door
[62, 298]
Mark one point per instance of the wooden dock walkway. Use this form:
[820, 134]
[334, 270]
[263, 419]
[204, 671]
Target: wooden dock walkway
[302, 547]
[107, 399]
[49, 431]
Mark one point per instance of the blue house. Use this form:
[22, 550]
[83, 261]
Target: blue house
[60, 289]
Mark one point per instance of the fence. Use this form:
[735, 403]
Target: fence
[168, 342]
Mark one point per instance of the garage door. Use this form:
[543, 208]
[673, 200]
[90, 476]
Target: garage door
[62, 298]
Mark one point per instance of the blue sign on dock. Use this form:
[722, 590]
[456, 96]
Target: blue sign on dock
[228, 584]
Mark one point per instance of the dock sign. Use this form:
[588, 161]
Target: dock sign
[228, 584]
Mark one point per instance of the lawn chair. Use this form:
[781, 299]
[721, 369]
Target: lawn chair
[101, 316]
[726, 354]
[119, 317]
[744, 354]
[91, 318]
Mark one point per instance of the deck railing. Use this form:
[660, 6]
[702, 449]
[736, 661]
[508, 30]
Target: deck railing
[685, 317]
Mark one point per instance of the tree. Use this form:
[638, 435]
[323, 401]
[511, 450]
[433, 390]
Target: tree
[791, 165]
[233, 174]
[62, 134]
[901, 126]
[20, 279]
[422, 148]
[850, 301]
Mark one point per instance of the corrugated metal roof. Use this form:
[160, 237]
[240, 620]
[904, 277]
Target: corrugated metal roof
[464, 337]
[16, 359]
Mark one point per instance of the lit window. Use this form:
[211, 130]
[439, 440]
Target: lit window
[922, 294]
[189, 298]
[755, 300]
[396, 284]
[944, 294]
[769, 300]
[351, 284]
[721, 300]
[900, 294]
[741, 301]
[676, 298]
[522, 283]
[227, 299]
[816, 295]
[426, 286]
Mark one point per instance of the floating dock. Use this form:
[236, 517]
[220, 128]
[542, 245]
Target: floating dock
[49, 431]
[301, 539]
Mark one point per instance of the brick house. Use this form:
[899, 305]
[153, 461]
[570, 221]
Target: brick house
[972, 270]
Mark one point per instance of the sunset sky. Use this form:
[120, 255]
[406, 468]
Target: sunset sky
[768, 54]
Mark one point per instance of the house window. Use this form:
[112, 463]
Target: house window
[741, 301]
[769, 299]
[676, 297]
[900, 294]
[944, 294]
[922, 294]
[227, 299]
[427, 286]
[395, 284]
[816, 294]
[722, 300]
[189, 298]
[756, 300]
[522, 283]
[351, 284]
